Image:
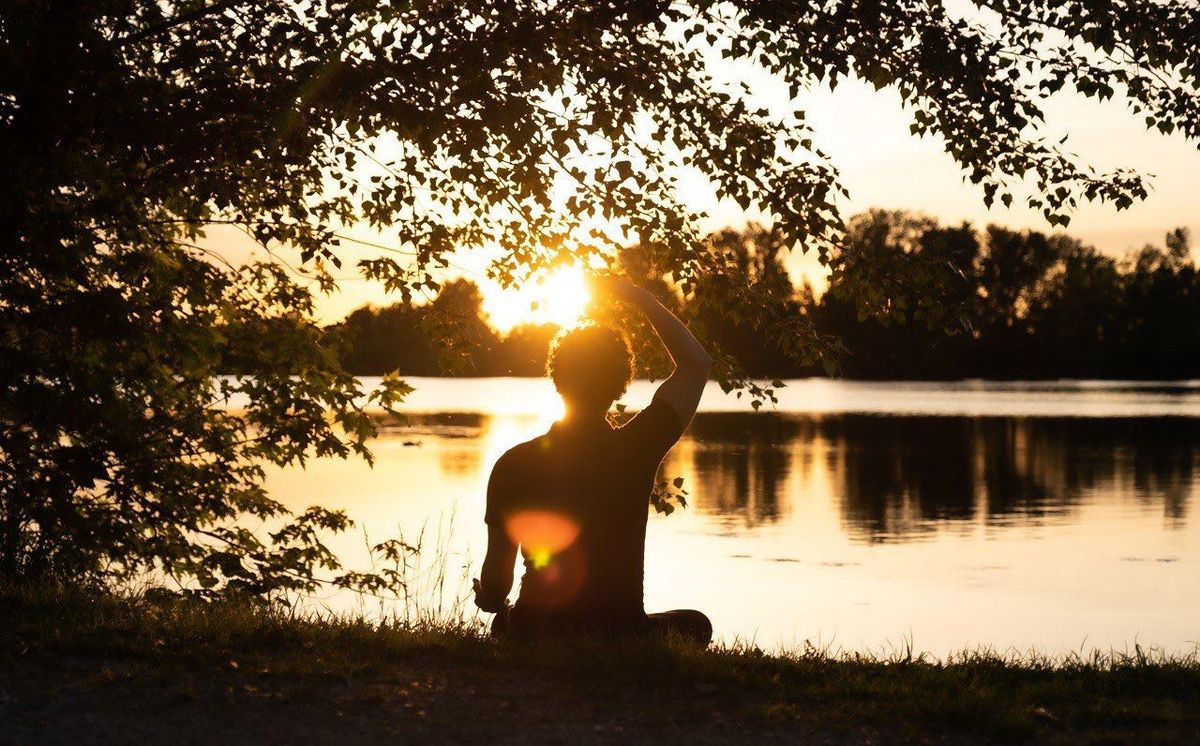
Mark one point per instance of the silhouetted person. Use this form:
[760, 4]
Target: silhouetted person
[576, 499]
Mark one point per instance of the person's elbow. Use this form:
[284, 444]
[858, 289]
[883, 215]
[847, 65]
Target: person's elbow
[701, 362]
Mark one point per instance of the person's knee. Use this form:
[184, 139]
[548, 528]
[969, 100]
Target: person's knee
[700, 626]
[692, 624]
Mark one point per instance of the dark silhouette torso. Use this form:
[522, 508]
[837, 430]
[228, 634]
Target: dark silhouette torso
[576, 500]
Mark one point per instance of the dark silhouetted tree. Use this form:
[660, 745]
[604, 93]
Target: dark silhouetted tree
[1014, 304]
[128, 129]
[1078, 314]
[448, 336]
[1162, 298]
[522, 352]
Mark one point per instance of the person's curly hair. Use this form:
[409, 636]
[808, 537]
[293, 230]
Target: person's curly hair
[591, 364]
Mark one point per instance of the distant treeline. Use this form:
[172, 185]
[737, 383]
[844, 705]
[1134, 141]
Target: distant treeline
[1009, 304]
[908, 298]
[449, 336]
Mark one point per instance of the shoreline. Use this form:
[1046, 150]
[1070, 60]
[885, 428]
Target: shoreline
[97, 667]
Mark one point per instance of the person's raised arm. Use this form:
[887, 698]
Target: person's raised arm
[683, 388]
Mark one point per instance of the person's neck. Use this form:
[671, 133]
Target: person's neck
[579, 419]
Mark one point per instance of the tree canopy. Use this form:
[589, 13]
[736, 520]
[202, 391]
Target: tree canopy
[542, 131]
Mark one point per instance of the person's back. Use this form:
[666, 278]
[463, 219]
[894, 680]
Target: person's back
[575, 501]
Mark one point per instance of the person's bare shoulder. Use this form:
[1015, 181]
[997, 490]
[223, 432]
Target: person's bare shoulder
[516, 458]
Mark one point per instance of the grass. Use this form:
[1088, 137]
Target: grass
[248, 672]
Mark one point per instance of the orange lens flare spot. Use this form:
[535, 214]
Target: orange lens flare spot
[548, 541]
[541, 533]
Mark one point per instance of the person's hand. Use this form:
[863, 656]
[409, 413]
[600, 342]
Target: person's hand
[483, 603]
[612, 287]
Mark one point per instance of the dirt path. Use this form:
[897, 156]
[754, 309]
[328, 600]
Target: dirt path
[95, 700]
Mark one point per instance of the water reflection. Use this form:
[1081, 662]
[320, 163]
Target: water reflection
[959, 514]
[739, 463]
[905, 478]
[891, 478]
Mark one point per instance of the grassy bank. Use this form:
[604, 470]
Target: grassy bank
[89, 668]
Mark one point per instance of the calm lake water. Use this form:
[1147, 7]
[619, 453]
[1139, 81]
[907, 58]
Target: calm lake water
[1051, 516]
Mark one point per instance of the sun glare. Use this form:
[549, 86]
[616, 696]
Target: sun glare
[561, 297]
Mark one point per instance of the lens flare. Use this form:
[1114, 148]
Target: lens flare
[556, 566]
[542, 533]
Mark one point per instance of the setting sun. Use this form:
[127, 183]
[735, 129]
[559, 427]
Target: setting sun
[561, 297]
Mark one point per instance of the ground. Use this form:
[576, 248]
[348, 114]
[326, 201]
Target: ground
[88, 700]
[116, 671]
